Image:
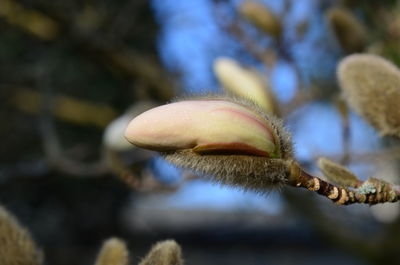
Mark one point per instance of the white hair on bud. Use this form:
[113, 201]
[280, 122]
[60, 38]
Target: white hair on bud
[16, 244]
[248, 172]
[113, 252]
[166, 252]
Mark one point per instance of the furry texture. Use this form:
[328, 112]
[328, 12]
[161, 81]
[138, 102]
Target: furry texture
[350, 33]
[371, 85]
[16, 244]
[113, 252]
[337, 173]
[166, 252]
[248, 172]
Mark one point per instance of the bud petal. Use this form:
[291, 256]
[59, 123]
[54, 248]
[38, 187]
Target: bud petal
[204, 126]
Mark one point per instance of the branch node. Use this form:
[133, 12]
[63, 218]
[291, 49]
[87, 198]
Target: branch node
[334, 194]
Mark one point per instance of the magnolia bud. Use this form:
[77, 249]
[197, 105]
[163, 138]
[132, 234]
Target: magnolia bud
[261, 17]
[337, 174]
[371, 87]
[350, 33]
[166, 252]
[113, 252]
[205, 126]
[231, 140]
[16, 244]
[244, 83]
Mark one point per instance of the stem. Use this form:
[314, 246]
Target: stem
[343, 111]
[382, 191]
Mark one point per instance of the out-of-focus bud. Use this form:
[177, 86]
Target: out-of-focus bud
[113, 252]
[29, 20]
[166, 252]
[232, 141]
[371, 87]
[337, 174]
[113, 137]
[245, 83]
[119, 154]
[16, 244]
[113, 134]
[259, 15]
[350, 33]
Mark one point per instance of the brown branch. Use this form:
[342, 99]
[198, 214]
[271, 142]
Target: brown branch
[343, 111]
[371, 191]
[57, 158]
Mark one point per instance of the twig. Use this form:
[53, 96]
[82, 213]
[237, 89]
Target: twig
[51, 143]
[343, 110]
[301, 98]
[372, 191]
[266, 56]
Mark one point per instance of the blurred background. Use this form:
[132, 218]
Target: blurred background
[73, 73]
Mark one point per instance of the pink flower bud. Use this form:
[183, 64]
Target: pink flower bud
[230, 141]
[207, 126]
